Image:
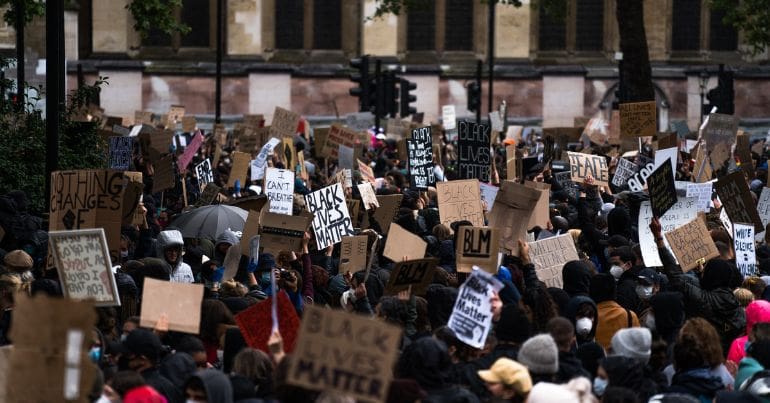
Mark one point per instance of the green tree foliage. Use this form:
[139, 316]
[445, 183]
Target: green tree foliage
[156, 14]
[751, 17]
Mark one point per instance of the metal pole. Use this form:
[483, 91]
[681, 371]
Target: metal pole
[54, 80]
[20, 73]
[379, 105]
[479, 66]
[220, 51]
[491, 51]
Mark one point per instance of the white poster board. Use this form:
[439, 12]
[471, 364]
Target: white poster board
[745, 253]
[471, 318]
[279, 188]
[683, 211]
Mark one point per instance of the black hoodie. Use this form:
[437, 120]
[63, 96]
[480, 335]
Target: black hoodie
[576, 277]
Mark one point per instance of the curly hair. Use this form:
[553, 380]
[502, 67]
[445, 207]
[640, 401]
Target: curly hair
[705, 338]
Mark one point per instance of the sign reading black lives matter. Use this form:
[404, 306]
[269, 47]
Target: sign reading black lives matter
[420, 149]
[473, 157]
[471, 318]
[120, 152]
[331, 219]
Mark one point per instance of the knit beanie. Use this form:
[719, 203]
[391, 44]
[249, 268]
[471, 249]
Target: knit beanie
[540, 355]
[634, 342]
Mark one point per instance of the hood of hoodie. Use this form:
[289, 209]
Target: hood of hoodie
[623, 371]
[227, 237]
[426, 361]
[218, 386]
[574, 304]
[757, 311]
[698, 381]
[167, 239]
[177, 368]
[576, 277]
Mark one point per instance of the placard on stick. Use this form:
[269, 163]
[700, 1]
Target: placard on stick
[163, 177]
[402, 243]
[83, 262]
[460, 200]
[638, 119]
[660, 186]
[371, 348]
[477, 246]
[734, 192]
[415, 273]
[692, 243]
[585, 165]
[549, 256]
[177, 304]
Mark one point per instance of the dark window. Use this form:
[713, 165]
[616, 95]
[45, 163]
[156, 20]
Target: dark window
[685, 31]
[723, 36]
[421, 27]
[552, 31]
[327, 23]
[195, 14]
[458, 31]
[156, 37]
[590, 25]
[289, 22]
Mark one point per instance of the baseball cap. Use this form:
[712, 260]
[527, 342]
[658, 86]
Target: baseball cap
[510, 373]
[142, 342]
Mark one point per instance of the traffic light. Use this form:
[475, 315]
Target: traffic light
[407, 98]
[474, 97]
[390, 92]
[361, 77]
[723, 96]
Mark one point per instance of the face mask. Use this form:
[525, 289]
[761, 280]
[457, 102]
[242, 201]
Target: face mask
[124, 254]
[599, 386]
[644, 292]
[616, 271]
[649, 323]
[95, 354]
[583, 326]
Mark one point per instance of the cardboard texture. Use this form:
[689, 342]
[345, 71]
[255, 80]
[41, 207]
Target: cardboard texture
[337, 136]
[220, 134]
[743, 154]
[403, 243]
[83, 262]
[511, 213]
[163, 177]
[415, 273]
[719, 134]
[279, 188]
[320, 134]
[549, 256]
[354, 207]
[159, 143]
[371, 348]
[332, 220]
[540, 216]
[176, 113]
[638, 119]
[513, 162]
[584, 165]
[88, 199]
[366, 171]
[284, 123]
[473, 151]
[189, 124]
[477, 246]
[702, 171]
[736, 198]
[353, 253]
[209, 194]
[178, 303]
[255, 322]
[289, 153]
[685, 210]
[692, 242]
[132, 197]
[189, 152]
[58, 355]
[121, 150]
[239, 169]
[460, 200]
[302, 168]
[368, 198]
[661, 188]
[281, 232]
[389, 206]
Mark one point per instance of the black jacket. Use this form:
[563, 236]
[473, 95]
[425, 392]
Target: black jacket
[570, 367]
[697, 382]
[626, 290]
[164, 386]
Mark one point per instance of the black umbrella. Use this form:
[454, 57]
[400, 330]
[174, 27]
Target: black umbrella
[210, 221]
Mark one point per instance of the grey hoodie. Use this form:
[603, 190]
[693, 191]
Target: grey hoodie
[181, 272]
[217, 385]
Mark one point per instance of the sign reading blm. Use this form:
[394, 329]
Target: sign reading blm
[473, 158]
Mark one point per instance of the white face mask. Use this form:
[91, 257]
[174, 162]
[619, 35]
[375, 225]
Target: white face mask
[644, 292]
[616, 271]
[583, 326]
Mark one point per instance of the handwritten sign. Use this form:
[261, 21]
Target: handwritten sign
[368, 197]
[284, 123]
[471, 318]
[702, 192]
[189, 152]
[720, 134]
[585, 165]
[735, 195]
[549, 256]
[241, 162]
[389, 206]
[121, 149]
[473, 153]
[85, 269]
[662, 189]
[691, 243]
[460, 200]
[279, 188]
[204, 173]
[477, 246]
[353, 253]
[338, 136]
[415, 273]
[259, 164]
[370, 348]
[332, 220]
[488, 194]
[511, 214]
[745, 253]
[638, 119]
[366, 171]
[683, 211]
[402, 243]
[448, 117]
[763, 209]
[420, 161]
[623, 172]
[177, 304]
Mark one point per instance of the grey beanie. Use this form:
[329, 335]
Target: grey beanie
[540, 355]
[633, 342]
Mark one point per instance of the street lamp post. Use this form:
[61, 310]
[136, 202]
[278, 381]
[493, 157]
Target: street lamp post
[703, 85]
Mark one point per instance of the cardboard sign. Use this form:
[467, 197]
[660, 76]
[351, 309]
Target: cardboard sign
[473, 153]
[354, 207]
[209, 194]
[85, 269]
[549, 256]
[254, 323]
[402, 243]
[353, 253]
[745, 253]
[132, 197]
[177, 304]
[241, 162]
[540, 216]
[460, 200]
[280, 232]
[163, 177]
[371, 348]
[366, 172]
[220, 134]
[692, 243]
[477, 246]
[743, 154]
[488, 194]
[143, 118]
[155, 144]
[345, 156]
[289, 154]
[259, 164]
[88, 199]
[719, 133]
[735, 195]
[389, 206]
[284, 123]
[367, 195]
[59, 354]
[189, 124]
[204, 174]
[702, 192]
[279, 188]
[176, 113]
[448, 117]
[763, 209]
[302, 168]
[662, 189]
[121, 149]
[623, 172]
[415, 273]
[189, 152]
[332, 220]
[638, 119]
[585, 165]
[565, 180]
[684, 211]
[471, 318]
[513, 163]
[511, 213]
[336, 137]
